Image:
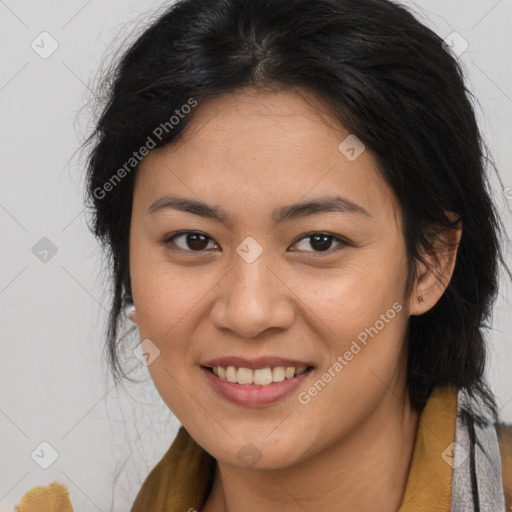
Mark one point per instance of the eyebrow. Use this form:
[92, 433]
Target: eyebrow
[282, 214]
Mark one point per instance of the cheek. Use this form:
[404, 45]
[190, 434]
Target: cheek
[360, 322]
[169, 302]
[167, 297]
[354, 297]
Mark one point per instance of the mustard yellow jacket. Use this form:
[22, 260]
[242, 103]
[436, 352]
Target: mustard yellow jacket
[182, 479]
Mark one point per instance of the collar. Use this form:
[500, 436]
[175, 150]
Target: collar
[182, 479]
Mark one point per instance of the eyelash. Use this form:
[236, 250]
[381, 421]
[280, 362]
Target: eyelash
[168, 240]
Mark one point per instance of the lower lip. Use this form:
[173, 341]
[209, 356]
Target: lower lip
[251, 394]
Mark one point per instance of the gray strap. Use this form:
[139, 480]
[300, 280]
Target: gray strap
[479, 460]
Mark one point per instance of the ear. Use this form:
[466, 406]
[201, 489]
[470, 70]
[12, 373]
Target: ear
[433, 276]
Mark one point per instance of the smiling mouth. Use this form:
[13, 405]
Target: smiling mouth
[257, 377]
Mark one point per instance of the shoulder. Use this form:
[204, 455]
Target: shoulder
[504, 432]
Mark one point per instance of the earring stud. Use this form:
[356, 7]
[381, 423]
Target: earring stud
[130, 310]
[421, 299]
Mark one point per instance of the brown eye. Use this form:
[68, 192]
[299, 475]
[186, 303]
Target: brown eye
[191, 241]
[320, 242]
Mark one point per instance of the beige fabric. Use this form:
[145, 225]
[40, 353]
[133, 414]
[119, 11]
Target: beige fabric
[52, 498]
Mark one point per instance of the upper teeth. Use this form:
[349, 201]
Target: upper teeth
[260, 377]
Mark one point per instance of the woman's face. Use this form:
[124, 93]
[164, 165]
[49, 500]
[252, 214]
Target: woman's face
[256, 286]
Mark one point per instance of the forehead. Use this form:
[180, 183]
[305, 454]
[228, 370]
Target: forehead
[264, 149]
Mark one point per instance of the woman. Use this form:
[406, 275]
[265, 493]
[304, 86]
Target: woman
[293, 198]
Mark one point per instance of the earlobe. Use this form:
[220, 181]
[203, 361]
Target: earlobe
[418, 303]
[132, 314]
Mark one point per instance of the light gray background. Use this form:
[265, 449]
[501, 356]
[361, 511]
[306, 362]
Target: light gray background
[54, 384]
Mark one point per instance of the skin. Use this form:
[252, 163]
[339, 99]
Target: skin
[251, 152]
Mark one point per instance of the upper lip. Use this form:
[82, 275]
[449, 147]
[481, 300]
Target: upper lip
[254, 364]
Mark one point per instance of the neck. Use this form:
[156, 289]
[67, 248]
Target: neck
[376, 456]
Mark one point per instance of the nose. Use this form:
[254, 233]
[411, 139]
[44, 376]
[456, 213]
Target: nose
[253, 299]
